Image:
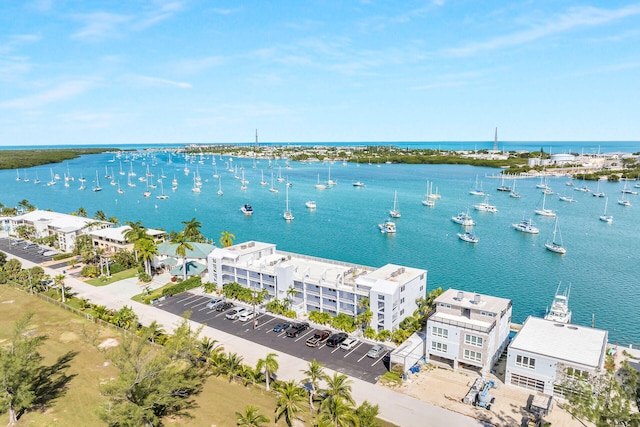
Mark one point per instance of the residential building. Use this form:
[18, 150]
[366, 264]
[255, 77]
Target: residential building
[113, 239]
[195, 259]
[544, 352]
[468, 328]
[320, 284]
[65, 227]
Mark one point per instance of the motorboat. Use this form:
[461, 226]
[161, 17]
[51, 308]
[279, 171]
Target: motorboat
[387, 227]
[311, 204]
[566, 198]
[526, 226]
[463, 218]
[485, 207]
[247, 209]
[468, 237]
[358, 184]
[559, 311]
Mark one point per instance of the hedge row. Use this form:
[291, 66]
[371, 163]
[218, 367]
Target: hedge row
[185, 285]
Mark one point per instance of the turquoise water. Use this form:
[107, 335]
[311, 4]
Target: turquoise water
[600, 264]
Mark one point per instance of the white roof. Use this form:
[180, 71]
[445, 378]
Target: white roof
[117, 233]
[570, 343]
[56, 220]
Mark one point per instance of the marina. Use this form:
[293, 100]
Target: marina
[345, 224]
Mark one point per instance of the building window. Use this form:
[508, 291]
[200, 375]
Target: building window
[421, 287]
[438, 346]
[439, 332]
[421, 277]
[486, 313]
[441, 304]
[402, 288]
[380, 297]
[473, 340]
[474, 356]
[577, 373]
[401, 300]
[525, 362]
[401, 312]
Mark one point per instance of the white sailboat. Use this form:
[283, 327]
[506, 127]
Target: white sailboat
[273, 188]
[36, 181]
[513, 192]
[262, 181]
[280, 177]
[556, 243]
[598, 193]
[53, 179]
[25, 178]
[543, 210]
[623, 200]
[162, 196]
[331, 182]
[604, 217]
[97, 186]
[196, 187]
[395, 213]
[320, 186]
[503, 187]
[427, 201]
[477, 190]
[288, 215]
[243, 182]
[120, 191]
[220, 193]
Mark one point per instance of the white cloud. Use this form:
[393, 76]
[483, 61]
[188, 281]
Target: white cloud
[221, 11]
[165, 11]
[61, 92]
[576, 18]
[100, 25]
[88, 120]
[196, 66]
[155, 81]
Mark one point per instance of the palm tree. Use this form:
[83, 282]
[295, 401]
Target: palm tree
[135, 232]
[291, 294]
[181, 250]
[226, 239]
[233, 365]
[339, 386]
[24, 204]
[146, 249]
[208, 347]
[154, 331]
[114, 220]
[313, 375]
[338, 412]
[192, 230]
[288, 403]
[82, 212]
[100, 216]
[251, 417]
[270, 366]
[59, 280]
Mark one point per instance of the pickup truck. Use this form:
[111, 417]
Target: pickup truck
[318, 338]
[295, 329]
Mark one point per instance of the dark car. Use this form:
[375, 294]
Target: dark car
[336, 339]
[224, 306]
[295, 329]
[318, 338]
[281, 326]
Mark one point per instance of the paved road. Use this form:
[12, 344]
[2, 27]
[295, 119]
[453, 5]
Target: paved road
[354, 363]
[394, 407]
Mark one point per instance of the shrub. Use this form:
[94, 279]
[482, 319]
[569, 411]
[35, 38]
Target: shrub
[370, 333]
[210, 287]
[319, 317]
[116, 268]
[384, 335]
[61, 256]
[89, 271]
[185, 285]
[144, 277]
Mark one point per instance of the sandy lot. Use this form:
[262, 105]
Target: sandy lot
[445, 388]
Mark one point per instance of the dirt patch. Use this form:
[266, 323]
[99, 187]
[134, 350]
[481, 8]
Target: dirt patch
[108, 343]
[8, 301]
[67, 337]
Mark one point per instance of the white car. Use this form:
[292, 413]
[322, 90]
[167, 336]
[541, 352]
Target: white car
[233, 314]
[349, 344]
[213, 304]
[245, 315]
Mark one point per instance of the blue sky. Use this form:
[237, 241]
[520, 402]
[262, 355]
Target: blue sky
[183, 71]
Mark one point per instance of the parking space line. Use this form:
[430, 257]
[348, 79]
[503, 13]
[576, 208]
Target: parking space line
[354, 349]
[362, 357]
[265, 323]
[380, 358]
[336, 349]
[304, 335]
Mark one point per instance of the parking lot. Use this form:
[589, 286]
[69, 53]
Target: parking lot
[354, 362]
[17, 247]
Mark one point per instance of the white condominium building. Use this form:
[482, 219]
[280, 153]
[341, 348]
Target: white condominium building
[468, 328]
[65, 227]
[321, 284]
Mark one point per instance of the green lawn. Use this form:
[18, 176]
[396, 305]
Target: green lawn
[102, 281]
[66, 331]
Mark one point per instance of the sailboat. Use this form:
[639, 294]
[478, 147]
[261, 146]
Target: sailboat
[97, 186]
[53, 179]
[598, 193]
[544, 211]
[69, 177]
[280, 177]
[395, 213]
[623, 201]
[121, 171]
[288, 215]
[273, 189]
[120, 191]
[36, 181]
[196, 187]
[514, 193]
[220, 193]
[468, 236]
[146, 193]
[556, 242]
[162, 196]
[25, 177]
[262, 181]
[18, 175]
[604, 217]
[243, 182]
[503, 187]
[428, 201]
[560, 307]
[477, 190]
[320, 186]
[330, 182]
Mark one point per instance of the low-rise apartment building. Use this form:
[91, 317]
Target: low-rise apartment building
[468, 328]
[544, 352]
[65, 227]
[320, 284]
[113, 239]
